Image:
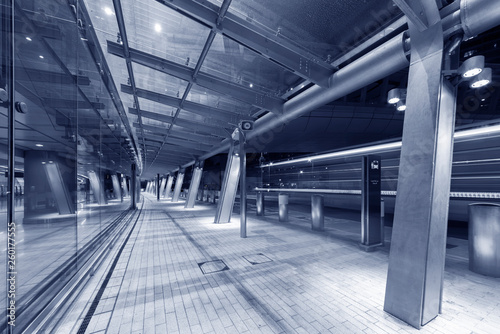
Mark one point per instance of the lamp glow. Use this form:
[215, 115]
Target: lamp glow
[472, 67]
[482, 79]
[108, 11]
[401, 106]
[157, 27]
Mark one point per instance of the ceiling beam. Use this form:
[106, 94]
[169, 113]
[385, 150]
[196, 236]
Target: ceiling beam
[268, 44]
[180, 134]
[195, 108]
[179, 142]
[233, 90]
[184, 123]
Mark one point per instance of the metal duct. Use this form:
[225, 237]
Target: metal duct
[476, 16]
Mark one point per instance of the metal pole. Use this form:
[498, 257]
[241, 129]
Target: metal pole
[157, 187]
[133, 190]
[243, 187]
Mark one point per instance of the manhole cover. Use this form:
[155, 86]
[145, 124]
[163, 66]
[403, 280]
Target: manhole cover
[210, 267]
[257, 258]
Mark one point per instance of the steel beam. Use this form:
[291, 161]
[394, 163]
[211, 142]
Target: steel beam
[184, 123]
[265, 43]
[236, 91]
[195, 108]
[180, 134]
[179, 142]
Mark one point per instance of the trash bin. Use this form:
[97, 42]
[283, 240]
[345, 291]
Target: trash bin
[484, 238]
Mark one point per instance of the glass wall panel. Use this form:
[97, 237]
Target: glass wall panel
[70, 148]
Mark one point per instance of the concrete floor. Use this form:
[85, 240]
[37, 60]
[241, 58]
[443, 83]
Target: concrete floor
[180, 273]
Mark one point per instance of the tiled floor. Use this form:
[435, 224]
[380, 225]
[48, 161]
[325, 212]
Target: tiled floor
[180, 273]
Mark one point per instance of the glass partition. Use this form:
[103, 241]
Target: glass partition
[71, 163]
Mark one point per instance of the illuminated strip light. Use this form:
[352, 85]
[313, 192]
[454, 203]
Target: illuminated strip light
[476, 195]
[351, 152]
[494, 129]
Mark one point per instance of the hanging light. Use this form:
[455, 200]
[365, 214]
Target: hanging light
[482, 79]
[472, 67]
[393, 96]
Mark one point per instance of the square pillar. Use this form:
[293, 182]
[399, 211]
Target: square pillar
[178, 185]
[418, 245]
[193, 186]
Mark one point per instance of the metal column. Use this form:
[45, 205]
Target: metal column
[371, 223]
[168, 188]
[133, 186]
[116, 187]
[243, 186]
[162, 186]
[229, 187]
[194, 185]
[157, 187]
[178, 185]
[418, 245]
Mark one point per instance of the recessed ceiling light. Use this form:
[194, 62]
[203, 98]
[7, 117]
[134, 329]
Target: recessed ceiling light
[28, 38]
[41, 57]
[108, 11]
[38, 145]
[157, 27]
[251, 85]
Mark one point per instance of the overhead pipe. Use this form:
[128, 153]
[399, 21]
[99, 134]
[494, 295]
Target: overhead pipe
[474, 17]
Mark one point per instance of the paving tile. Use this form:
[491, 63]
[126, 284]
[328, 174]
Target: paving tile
[315, 283]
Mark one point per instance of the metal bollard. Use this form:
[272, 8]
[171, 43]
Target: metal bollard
[283, 207]
[317, 213]
[260, 204]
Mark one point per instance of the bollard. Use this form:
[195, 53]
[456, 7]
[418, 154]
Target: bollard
[260, 204]
[283, 207]
[317, 213]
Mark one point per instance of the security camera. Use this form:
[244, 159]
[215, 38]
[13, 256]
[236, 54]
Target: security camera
[246, 125]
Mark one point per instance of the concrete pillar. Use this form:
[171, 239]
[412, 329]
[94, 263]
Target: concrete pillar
[418, 245]
[162, 186]
[317, 213]
[178, 185]
[194, 185]
[283, 207]
[371, 224]
[168, 187]
[116, 187]
[260, 204]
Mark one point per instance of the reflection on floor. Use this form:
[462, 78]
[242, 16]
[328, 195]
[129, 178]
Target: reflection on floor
[180, 273]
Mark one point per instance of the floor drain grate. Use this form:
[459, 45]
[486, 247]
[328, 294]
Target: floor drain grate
[257, 258]
[211, 267]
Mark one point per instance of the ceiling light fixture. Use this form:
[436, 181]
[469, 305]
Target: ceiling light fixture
[41, 57]
[401, 106]
[108, 11]
[28, 38]
[251, 85]
[38, 145]
[157, 27]
[394, 95]
[472, 67]
[482, 79]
